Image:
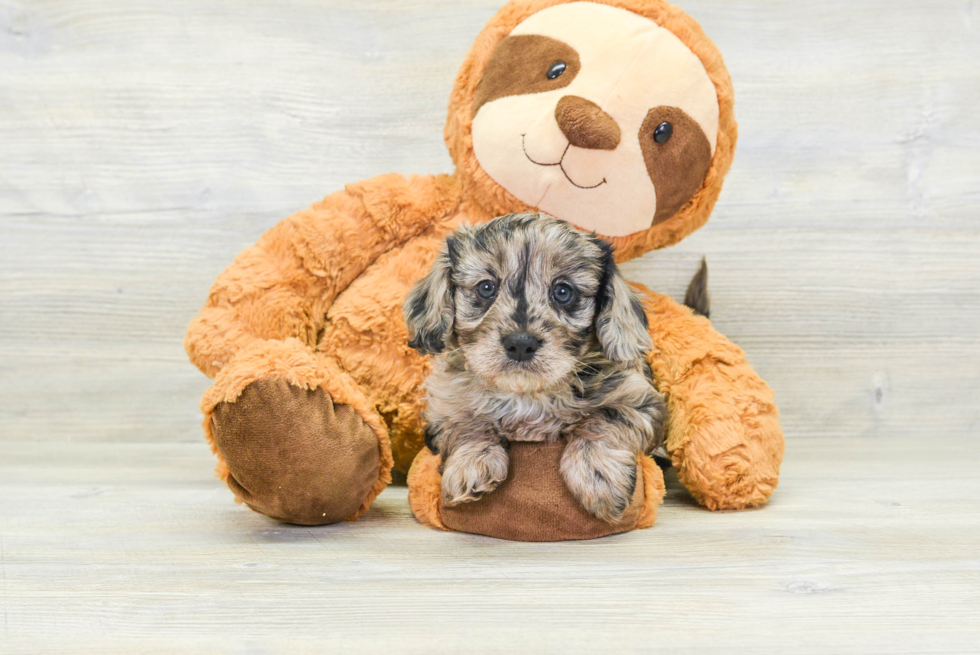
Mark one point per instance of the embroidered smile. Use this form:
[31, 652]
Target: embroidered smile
[559, 164]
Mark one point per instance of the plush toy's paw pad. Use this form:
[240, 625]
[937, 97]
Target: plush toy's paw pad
[533, 504]
[473, 471]
[602, 480]
[294, 455]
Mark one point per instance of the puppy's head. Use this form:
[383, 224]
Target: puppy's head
[522, 299]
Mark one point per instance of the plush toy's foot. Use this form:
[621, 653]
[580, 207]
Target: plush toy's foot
[726, 447]
[294, 455]
[724, 439]
[289, 448]
[533, 503]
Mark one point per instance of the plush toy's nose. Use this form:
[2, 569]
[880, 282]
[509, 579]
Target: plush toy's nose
[521, 346]
[585, 125]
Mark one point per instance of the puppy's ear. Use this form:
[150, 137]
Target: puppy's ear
[429, 308]
[621, 325]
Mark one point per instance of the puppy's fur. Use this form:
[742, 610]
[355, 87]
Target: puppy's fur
[539, 338]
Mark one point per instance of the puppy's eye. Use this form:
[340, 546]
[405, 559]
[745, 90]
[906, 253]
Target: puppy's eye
[486, 289]
[562, 293]
[556, 69]
[663, 132]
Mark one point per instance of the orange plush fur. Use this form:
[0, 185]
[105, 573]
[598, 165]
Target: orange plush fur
[317, 302]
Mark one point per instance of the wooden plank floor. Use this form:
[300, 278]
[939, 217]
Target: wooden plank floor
[144, 144]
[131, 547]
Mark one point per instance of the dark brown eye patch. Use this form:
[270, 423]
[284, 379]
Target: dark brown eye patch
[526, 63]
[677, 155]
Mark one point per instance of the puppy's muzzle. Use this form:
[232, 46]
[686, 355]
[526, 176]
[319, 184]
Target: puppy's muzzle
[521, 346]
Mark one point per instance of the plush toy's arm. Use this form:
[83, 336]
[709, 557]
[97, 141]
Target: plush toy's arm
[282, 286]
[724, 436]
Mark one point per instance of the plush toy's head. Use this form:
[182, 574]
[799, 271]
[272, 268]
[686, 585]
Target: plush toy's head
[614, 115]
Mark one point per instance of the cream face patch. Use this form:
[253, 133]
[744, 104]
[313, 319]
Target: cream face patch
[598, 116]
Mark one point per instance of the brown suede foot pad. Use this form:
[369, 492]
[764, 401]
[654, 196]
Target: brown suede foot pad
[533, 504]
[295, 456]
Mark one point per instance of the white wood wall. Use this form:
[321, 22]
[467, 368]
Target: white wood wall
[143, 144]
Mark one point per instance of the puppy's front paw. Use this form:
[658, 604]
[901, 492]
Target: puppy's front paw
[602, 479]
[472, 471]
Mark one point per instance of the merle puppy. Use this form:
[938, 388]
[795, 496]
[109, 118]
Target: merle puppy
[538, 338]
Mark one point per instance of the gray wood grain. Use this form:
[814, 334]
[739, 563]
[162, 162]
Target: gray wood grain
[133, 547]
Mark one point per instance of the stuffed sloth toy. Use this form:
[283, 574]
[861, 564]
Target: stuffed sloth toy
[613, 115]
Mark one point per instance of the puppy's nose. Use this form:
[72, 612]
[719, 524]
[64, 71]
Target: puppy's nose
[521, 346]
[585, 125]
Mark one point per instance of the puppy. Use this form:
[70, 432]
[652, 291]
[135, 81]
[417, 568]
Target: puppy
[539, 338]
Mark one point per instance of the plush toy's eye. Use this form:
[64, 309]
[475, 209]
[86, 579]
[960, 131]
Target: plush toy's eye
[562, 293]
[663, 132]
[556, 69]
[486, 289]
